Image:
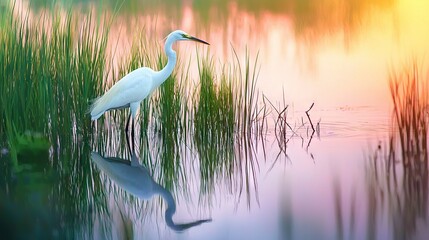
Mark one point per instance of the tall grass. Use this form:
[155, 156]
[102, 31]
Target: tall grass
[407, 188]
[212, 130]
[225, 117]
[48, 75]
[410, 96]
[397, 171]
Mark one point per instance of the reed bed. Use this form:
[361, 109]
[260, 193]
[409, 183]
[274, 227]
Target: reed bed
[47, 77]
[397, 170]
[225, 121]
[410, 96]
[213, 124]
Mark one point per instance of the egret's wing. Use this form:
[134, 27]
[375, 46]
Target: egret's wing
[134, 87]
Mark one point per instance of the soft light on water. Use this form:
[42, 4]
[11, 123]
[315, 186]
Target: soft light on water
[335, 54]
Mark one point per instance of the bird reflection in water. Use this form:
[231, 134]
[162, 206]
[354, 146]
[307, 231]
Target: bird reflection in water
[136, 179]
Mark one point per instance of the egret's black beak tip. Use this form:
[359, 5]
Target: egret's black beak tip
[198, 40]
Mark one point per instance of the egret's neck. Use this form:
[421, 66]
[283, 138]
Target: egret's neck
[162, 75]
[171, 204]
[171, 209]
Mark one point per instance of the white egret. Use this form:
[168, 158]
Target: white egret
[139, 84]
[136, 179]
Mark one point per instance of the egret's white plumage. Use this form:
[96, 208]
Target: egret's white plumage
[140, 83]
[128, 92]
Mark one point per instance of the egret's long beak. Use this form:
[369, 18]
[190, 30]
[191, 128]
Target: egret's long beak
[197, 40]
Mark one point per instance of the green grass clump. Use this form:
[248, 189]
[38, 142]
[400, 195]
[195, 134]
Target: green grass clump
[48, 74]
[212, 141]
[248, 122]
[225, 115]
[49, 69]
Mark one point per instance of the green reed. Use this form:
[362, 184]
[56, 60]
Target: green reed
[48, 75]
[207, 127]
[224, 118]
[248, 120]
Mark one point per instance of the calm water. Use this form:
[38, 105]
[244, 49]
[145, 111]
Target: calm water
[336, 54]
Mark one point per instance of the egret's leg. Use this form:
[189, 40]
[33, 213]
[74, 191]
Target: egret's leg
[126, 133]
[128, 123]
[132, 134]
[128, 144]
[134, 107]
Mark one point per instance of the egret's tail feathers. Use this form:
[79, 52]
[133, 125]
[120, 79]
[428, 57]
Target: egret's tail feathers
[95, 110]
[95, 117]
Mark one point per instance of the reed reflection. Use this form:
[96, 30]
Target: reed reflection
[134, 178]
[402, 192]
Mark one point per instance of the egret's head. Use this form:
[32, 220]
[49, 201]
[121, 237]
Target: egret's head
[180, 35]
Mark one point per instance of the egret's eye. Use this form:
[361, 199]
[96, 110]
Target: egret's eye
[185, 35]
